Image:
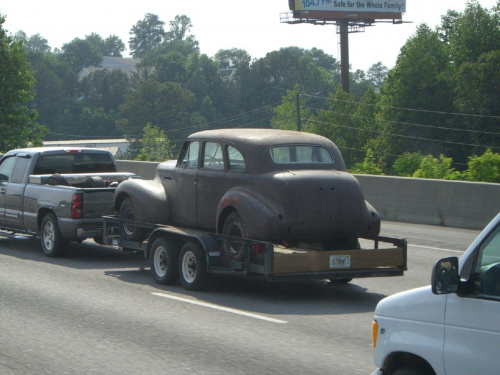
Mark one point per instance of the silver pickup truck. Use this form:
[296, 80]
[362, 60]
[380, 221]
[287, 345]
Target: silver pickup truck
[57, 194]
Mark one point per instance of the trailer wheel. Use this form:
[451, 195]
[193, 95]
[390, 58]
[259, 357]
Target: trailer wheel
[53, 245]
[234, 228]
[163, 261]
[193, 266]
[128, 212]
[341, 281]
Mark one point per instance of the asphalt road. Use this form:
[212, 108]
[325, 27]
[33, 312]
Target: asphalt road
[98, 311]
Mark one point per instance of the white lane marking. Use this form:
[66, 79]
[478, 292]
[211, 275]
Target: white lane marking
[221, 308]
[436, 248]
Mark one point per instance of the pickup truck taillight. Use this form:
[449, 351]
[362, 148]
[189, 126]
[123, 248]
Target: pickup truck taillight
[77, 206]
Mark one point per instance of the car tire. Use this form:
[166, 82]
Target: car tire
[341, 281]
[53, 245]
[163, 262]
[193, 269]
[342, 243]
[233, 227]
[130, 232]
[94, 182]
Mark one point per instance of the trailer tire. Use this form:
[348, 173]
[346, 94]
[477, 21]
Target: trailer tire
[128, 212]
[233, 227]
[53, 245]
[410, 371]
[341, 281]
[193, 270]
[163, 262]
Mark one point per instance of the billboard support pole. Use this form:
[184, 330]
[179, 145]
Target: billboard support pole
[344, 54]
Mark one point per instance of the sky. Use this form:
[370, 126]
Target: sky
[254, 27]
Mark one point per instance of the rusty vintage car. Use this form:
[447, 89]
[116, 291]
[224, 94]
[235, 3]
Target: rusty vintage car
[285, 187]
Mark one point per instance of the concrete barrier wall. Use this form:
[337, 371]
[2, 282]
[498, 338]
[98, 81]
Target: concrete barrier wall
[457, 204]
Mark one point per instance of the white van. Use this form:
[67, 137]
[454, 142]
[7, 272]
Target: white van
[450, 327]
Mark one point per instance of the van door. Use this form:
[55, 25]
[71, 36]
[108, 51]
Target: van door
[472, 330]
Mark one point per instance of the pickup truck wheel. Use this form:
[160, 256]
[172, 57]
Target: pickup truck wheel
[234, 228]
[411, 371]
[130, 232]
[163, 262]
[53, 245]
[193, 267]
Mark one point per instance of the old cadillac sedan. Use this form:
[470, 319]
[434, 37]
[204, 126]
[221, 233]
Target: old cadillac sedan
[285, 187]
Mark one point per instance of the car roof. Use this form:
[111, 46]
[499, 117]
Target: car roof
[253, 143]
[262, 136]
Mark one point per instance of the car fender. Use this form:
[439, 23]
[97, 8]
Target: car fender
[258, 217]
[149, 198]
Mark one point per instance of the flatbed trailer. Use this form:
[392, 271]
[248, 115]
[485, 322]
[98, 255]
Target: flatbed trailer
[192, 255]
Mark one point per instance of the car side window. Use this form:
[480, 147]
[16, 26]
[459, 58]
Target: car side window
[190, 157]
[212, 156]
[236, 161]
[6, 168]
[487, 271]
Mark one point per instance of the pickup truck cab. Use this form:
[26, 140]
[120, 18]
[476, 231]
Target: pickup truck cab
[56, 193]
[451, 326]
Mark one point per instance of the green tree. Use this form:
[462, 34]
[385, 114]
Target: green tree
[146, 35]
[407, 164]
[80, 53]
[377, 73]
[484, 168]
[368, 166]
[431, 167]
[155, 146]
[18, 124]
[231, 58]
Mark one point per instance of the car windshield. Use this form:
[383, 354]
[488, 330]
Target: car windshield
[283, 154]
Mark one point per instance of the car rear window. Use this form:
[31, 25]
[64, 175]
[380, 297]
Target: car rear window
[284, 154]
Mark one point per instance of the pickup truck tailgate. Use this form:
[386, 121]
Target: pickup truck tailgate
[98, 202]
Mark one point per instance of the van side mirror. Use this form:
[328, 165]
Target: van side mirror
[445, 277]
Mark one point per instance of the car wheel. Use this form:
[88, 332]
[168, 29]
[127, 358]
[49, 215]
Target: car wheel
[163, 262]
[193, 267]
[129, 231]
[342, 243]
[233, 227]
[53, 245]
[411, 371]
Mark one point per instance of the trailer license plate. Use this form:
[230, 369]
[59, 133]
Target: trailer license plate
[340, 261]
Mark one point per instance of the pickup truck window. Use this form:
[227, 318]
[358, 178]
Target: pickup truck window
[487, 273]
[19, 170]
[300, 154]
[74, 163]
[6, 168]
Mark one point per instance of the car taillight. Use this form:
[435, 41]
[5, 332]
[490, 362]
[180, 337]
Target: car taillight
[77, 206]
[258, 248]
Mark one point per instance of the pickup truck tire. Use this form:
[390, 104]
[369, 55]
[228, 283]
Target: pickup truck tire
[233, 227]
[130, 232]
[94, 182]
[411, 371]
[193, 270]
[164, 262]
[53, 245]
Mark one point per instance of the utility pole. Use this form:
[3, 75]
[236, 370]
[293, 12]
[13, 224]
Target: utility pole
[297, 105]
[344, 54]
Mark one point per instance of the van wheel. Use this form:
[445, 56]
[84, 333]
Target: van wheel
[129, 231]
[411, 371]
[163, 262]
[234, 228]
[193, 267]
[53, 245]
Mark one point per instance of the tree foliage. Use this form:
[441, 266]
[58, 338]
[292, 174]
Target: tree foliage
[155, 145]
[18, 124]
[146, 35]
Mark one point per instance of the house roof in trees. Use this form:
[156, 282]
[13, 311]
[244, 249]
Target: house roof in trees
[124, 64]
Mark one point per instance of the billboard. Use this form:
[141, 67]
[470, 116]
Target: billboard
[348, 9]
